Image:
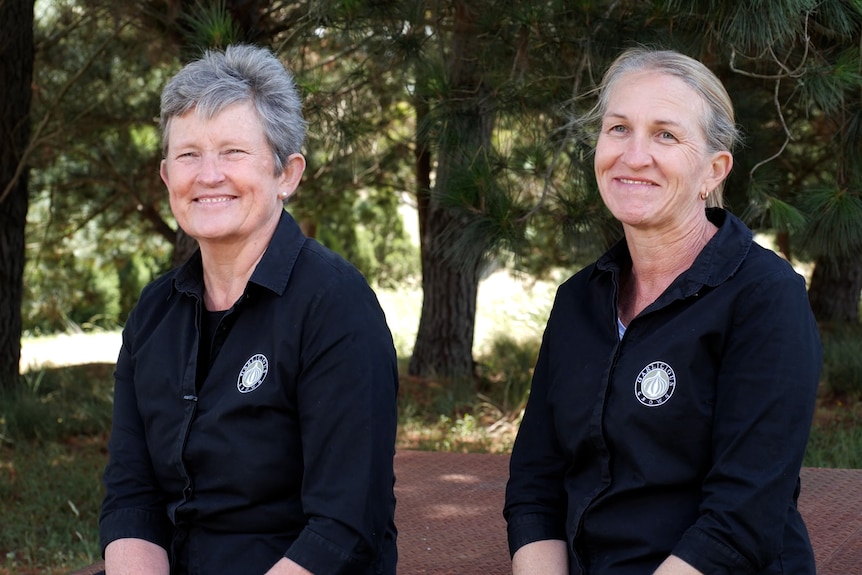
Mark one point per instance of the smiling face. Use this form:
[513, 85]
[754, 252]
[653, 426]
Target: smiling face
[220, 175]
[651, 159]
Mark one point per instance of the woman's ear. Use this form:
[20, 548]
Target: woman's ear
[719, 169]
[163, 172]
[291, 176]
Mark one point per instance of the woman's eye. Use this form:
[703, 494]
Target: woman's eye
[618, 129]
[667, 136]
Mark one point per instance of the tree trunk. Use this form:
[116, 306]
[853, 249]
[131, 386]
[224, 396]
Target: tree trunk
[444, 342]
[16, 76]
[836, 285]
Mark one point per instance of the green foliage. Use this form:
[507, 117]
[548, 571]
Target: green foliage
[393, 259]
[49, 500]
[53, 432]
[67, 292]
[483, 417]
[837, 440]
[768, 211]
[89, 279]
[58, 403]
[210, 25]
[378, 86]
[371, 235]
[842, 362]
[834, 226]
[828, 82]
[96, 197]
[506, 372]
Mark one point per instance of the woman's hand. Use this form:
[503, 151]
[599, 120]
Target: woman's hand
[673, 565]
[287, 567]
[135, 557]
[541, 558]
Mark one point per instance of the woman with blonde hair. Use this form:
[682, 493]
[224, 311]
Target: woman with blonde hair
[673, 395]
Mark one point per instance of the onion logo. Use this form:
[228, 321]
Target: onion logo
[655, 384]
[252, 373]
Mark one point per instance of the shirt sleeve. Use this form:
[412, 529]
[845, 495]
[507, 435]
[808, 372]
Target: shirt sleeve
[133, 507]
[535, 507]
[347, 393]
[765, 397]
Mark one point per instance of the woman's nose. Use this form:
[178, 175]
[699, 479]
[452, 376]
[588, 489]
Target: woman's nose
[210, 169]
[637, 153]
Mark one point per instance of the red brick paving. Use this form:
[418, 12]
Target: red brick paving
[450, 513]
[450, 522]
[831, 502]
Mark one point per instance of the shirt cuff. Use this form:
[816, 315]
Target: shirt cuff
[319, 555]
[709, 555]
[533, 527]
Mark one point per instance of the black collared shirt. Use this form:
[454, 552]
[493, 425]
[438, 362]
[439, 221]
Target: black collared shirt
[282, 445]
[684, 437]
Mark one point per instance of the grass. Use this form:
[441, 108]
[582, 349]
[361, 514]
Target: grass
[53, 437]
[53, 430]
[50, 497]
[836, 435]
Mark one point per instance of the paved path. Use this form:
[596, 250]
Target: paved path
[450, 522]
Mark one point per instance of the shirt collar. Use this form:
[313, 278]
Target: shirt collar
[272, 271]
[715, 264]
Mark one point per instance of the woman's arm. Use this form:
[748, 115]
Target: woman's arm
[287, 567]
[347, 397]
[535, 504]
[543, 558]
[764, 402]
[134, 506]
[673, 565]
[135, 557]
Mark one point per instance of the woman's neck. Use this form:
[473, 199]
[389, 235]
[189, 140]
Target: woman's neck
[226, 273]
[657, 260]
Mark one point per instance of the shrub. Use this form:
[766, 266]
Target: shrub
[52, 405]
[842, 360]
[506, 371]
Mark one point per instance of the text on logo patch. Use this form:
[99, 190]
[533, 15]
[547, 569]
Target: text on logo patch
[655, 384]
[252, 374]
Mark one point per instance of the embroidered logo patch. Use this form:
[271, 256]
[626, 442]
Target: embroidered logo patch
[253, 373]
[655, 384]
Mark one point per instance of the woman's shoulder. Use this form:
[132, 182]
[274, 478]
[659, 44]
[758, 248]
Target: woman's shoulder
[764, 262]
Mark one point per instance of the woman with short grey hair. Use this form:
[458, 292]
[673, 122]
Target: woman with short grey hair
[255, 391]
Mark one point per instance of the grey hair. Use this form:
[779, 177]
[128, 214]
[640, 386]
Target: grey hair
[719, 125]
[241, 73]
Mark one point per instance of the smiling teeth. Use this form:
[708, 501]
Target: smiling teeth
[212, 200]
[627, 181]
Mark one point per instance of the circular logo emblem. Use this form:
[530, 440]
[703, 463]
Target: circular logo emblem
[252, 373]
[655, 384]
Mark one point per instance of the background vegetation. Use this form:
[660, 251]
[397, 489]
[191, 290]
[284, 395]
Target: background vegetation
[53, 430]
[462, 111]
[458, 113]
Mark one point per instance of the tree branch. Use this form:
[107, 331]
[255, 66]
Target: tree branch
[22, 162]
